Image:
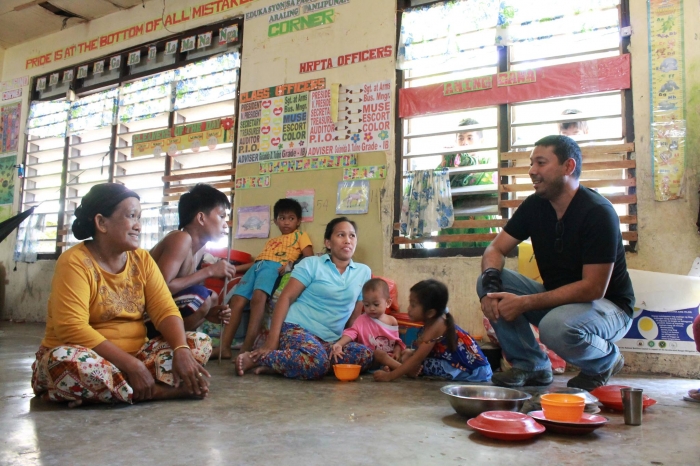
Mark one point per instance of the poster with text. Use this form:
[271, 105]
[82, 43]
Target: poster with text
[353, 197]
[305, 197]
[274, 128]
[665, 307]
[9, 127]
[253, 222]
[362, 123]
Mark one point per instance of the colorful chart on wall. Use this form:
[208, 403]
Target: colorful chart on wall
[253, 222]
[253, 182]
[7, 178]
[193, 137]
[353, 197]
[9, 127]
[275, 124]
[362, 122]
[274, 128]
[668, 125]
[305, 197]
[370, 172]
[308, 163]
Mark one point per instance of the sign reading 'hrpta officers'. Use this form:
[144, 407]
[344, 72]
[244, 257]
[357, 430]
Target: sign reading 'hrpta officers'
[347, 59]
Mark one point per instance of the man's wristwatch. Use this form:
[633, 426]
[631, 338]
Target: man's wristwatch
[490, 282]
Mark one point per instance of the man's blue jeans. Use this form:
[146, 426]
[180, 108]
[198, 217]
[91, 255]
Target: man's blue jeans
[583, 334]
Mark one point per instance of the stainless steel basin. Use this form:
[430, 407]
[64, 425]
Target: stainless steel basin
[472, 400]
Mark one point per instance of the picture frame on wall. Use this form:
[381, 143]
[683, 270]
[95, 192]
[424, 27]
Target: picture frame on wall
[232, 33]
[67, 76]
[187, 44]
[171, 47]
[82, 72]
[152, 52]
[253, 222]
[134, 58]
[53, 79]
[204, 40]
[115, 62]
[41, 84]
[353, 197]
[305, 197]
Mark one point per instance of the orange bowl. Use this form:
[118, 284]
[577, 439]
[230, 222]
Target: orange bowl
[347, 372]
[562, 407]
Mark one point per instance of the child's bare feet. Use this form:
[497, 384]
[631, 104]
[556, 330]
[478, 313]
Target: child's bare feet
[244, 362]
[261, 370]
[694, 394]
[75, 404]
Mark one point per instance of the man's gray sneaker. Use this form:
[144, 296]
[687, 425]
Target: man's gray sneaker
[514, 377]
[591, 382]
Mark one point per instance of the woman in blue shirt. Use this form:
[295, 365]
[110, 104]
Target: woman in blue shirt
[323, 293]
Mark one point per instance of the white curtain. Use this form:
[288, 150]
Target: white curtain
[427, 203]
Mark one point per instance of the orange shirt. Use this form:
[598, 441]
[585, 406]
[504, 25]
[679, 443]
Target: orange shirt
[285, 248]
[88, 305]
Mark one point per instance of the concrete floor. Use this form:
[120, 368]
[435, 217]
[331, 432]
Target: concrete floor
[270, 420]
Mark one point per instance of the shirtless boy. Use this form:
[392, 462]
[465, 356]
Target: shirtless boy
[202, 213]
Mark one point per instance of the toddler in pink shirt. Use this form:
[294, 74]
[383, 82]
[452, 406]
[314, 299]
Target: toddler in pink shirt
[374, 329]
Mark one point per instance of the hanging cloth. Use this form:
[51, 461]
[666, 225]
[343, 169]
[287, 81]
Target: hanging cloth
[427, 203]
[28, 239]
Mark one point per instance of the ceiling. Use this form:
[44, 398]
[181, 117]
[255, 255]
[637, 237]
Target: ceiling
[25, 20]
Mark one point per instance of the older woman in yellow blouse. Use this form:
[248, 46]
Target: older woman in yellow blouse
[95, 347]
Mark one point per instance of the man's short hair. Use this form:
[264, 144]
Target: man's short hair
[201, 198]
[377, 284]
[468, 122]
[564, 148]
[287, 205]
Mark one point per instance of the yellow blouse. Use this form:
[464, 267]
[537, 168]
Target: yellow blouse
[88, 305]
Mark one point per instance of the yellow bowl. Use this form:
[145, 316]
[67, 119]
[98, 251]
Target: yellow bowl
[562, 407]
[347, 372]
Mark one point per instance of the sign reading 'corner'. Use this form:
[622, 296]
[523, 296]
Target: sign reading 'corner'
[303, 22]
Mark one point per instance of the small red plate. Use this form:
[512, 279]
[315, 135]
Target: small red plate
[587, 424]
[505, 425]
[617, 405]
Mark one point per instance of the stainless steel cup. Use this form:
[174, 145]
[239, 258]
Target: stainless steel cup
[632, 405]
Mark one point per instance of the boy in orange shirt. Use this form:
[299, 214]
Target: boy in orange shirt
[258, 282]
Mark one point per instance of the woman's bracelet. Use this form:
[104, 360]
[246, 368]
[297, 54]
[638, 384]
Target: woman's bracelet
[181, 346]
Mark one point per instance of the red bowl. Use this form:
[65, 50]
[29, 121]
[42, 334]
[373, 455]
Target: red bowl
[617, 405]
[235, 257]
[610, 397]
[609, 392]
[505, 425]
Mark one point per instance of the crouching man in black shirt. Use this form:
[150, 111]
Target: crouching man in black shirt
[586, 302]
